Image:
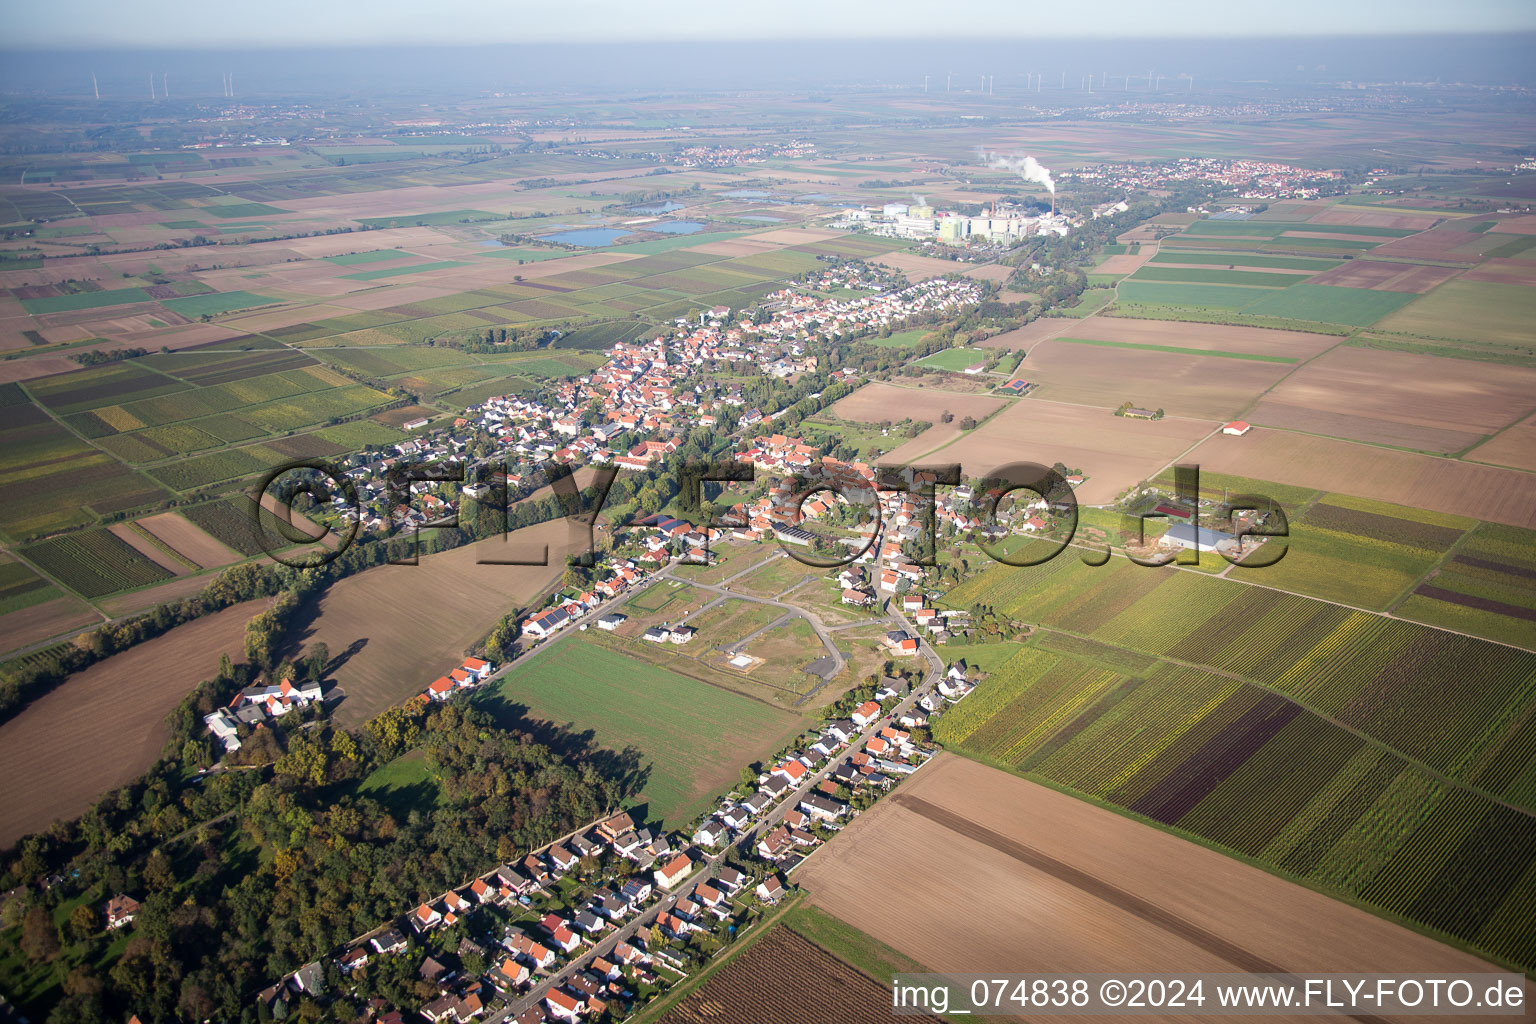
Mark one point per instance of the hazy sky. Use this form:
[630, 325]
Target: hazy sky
[174, 24]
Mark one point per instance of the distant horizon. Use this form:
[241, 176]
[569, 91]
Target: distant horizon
[442, 71]
[302, 47]
[177, 24]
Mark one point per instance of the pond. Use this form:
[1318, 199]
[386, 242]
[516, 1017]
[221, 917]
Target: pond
[589, 236]
[746, 193]
[666, 207]
[761, 217]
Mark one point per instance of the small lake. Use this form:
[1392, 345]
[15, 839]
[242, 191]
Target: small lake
[676, 227]
[666, 207]
[492, 243]
[746, 193]
[762, 218]
[819, 197]
[589, 236]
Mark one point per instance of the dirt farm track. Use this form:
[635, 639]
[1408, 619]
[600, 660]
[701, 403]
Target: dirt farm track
[991, 872]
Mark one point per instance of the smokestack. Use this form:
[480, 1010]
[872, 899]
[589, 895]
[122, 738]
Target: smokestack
[151, 86]
[165, 88]
[948, 75]
[1063, 81]
[94, 87]
[925, 84]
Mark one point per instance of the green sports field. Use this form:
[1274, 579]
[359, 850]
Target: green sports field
[955, 359]
[694, 737]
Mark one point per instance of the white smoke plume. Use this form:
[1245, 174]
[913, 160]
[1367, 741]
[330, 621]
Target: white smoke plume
[918, 200]
[1026, 167]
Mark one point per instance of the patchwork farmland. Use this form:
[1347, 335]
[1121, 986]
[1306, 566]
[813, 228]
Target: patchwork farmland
[1178, 698]
[996, 871]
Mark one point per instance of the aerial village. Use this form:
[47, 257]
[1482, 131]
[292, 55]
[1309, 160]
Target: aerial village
[598, 923]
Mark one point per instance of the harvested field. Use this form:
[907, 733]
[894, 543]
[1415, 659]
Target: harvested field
[115, 711]
[1125, 263]
[1504, 271]
[1441, 244]
[1403, 478]
[189, 540]
[1374, 219]
[1390, 277]
[1114, 452]
[148, 548]
[1454, 395]
[1514, 447]
[408, 624]
[917, 268]
[28, 626]
[786, 979]
[1371, 430]
[1031, 334]
[990, 272]
[1216, 337]
[142, 600]
[875, 403]
[1185, 385]
[1029, 876]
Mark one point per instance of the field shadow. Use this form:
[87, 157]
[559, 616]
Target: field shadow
[628, 769]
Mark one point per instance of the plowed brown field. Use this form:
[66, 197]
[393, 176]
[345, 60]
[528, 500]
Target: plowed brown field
[968, 869]
[103, 727]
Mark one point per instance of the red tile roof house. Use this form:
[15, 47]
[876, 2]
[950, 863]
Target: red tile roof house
[426, 917]
[771, 889]
[565, 939]
[866, 713]
[792, 771]
[674, 872]
[563, 1006]
[121, 910]
[511, 974]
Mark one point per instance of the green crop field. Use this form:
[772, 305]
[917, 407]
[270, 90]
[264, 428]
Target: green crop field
[1271, 228]
[417, 268]
[1181, 351]
[375, 256]
[1488, 587]
[1343, 663]
[955, 359]
[443, 217]
[85, 300]
[215, 303]
[95, 563]
[1356, 307]
[1477, 311]
[1245, 770]
[20, 587]
[1224, 259]
[694, 737]
[1202, 275]
[1200, 296]
[1298, 303]
[1362, 556]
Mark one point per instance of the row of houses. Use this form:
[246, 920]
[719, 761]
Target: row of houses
[468, 675]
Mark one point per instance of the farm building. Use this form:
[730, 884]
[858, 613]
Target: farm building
[1189, 536]
[1237, 428]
